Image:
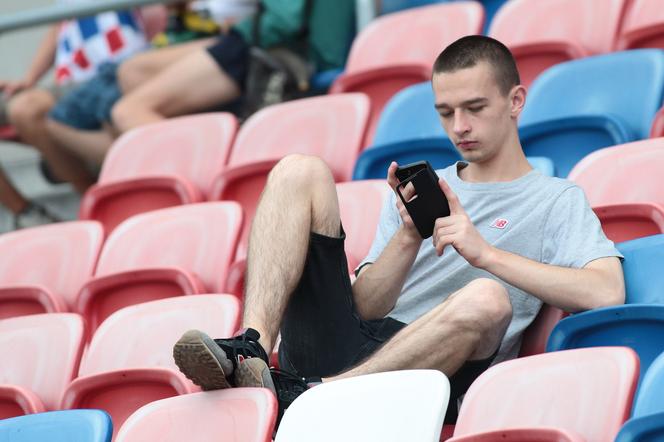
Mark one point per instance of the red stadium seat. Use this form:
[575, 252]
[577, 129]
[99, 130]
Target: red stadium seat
[8, 133]
[161, 254]
[657, 129]
[623, 222]
[360, 203]
[233, 415]
[164, 164]
[43, 268]
[583, 394]
[643, 26]
[542, 34]
[398, 50]
[535, 336]
[628, 173]
[129, 361]
[40, 356]
[330, 127]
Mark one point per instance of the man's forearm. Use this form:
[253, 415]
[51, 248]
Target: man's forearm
[44, 57]
[377, 288]
[598, 284]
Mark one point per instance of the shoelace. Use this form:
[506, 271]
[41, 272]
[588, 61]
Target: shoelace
[246, 345]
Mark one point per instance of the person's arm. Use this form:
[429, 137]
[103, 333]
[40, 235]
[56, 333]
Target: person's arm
[41, 63]
[378, 285]
[599, 283]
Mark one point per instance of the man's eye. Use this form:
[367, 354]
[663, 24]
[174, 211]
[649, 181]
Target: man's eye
[475, 109]
[446, 114]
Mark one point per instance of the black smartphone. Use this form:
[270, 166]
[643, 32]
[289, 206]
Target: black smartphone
[428, 202]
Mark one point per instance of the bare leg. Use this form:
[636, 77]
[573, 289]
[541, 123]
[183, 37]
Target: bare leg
[469, 325]
[9, 196]
[299, 198]
[90, 145]
[141, 67]
[192, 84]
[27, 112]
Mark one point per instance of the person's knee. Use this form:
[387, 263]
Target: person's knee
[483, 306]
[122, 114]
[300, 172]
[29, 107]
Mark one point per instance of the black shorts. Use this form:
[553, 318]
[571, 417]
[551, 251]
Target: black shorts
[231, 53]
[322, 334]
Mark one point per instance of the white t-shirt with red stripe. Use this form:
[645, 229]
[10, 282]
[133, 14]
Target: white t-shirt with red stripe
[87, 42]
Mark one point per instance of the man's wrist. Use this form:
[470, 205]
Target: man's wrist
[409, 237]
[490, 258]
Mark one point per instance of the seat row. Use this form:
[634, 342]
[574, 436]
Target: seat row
[574, 395]
[128, 361]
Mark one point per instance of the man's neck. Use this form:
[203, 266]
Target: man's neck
[508, 167]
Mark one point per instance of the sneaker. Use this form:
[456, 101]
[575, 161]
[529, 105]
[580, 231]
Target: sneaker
[33, 215]
[211, 363]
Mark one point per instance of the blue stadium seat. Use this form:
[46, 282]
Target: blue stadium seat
[580, 106]
[638, 326]
[647, 422]
[58, 426]
[644, 279]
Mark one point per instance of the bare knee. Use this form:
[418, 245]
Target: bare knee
[29, 107]
[122, 114]
[300, 172]
[482, 309]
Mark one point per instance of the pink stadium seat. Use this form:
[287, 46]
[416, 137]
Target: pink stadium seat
[8, 133]
[398, 50]
[543, 33]
[40, 356]
[360, 203]
[43, 268]
[657, 129]
[623, 222]
[164, 164]
[330, 127]
[233, 415]
[643, 26]
[535, 336]
[129, 362]
[161, 254]
[584, 394]
[628, 173]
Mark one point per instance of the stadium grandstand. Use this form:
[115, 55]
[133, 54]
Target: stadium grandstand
[137, 137]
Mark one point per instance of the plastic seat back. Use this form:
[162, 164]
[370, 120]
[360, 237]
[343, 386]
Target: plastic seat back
[623, 222]
[130, 360]
[236, 415]
[414, 36]
[657, 129]
[360, 203]
[41, 354]
[56, 259]
[587, 391]
[58, 426]
[638, 326]
[628, 85]
[643, 26]
[153, 327]
[367, 407]
[199, 238]
[195, 147]
[629, 173]
[160, 254]
[642, 269]
[330, 127]
[556, 31]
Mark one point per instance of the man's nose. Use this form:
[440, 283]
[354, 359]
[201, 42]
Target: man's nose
[461, 125]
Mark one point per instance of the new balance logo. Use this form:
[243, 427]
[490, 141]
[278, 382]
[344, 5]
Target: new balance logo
[500, 223]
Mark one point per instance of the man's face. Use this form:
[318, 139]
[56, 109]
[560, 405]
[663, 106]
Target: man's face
[475, 114]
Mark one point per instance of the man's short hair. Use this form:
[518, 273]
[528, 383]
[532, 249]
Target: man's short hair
[467, 51]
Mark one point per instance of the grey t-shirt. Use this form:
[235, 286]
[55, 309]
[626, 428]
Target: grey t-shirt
[538, 217]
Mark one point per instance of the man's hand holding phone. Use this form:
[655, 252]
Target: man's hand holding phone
[409, 227]
[458, 231]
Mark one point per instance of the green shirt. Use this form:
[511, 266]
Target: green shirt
[331, 28]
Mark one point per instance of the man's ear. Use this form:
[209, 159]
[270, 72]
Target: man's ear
[517, 100]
